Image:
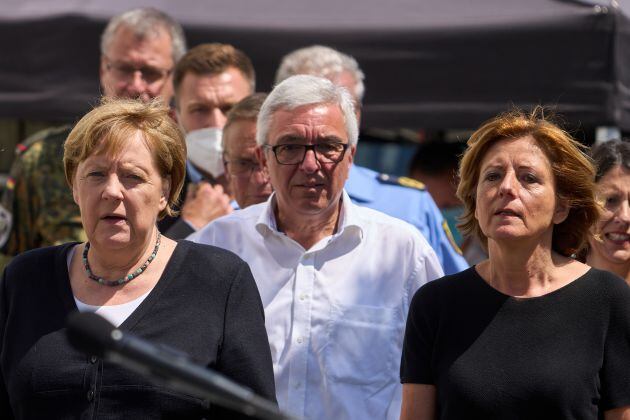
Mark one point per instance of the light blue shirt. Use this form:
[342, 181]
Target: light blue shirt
[383, 193]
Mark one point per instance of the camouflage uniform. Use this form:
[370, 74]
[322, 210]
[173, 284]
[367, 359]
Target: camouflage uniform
[37, 208]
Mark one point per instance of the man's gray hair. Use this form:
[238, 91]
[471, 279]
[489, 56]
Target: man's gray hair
[318, 60]
[145, 21]
[304, 90]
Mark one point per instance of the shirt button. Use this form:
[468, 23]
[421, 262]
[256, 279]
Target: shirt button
[90, 395]
[93, 359]
[299, 340]
[297, 385]
[303, 296]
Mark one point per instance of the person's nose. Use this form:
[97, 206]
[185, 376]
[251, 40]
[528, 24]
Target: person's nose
[259, 176]
[113, 189]
[508, 184]
[216, 118]
[138, 87]
[310, 163]
[624, 210]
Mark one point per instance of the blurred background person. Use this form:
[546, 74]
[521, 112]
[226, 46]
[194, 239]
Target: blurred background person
[402, 197]
[530, 332]
[435, 164]
[125, 163]
[609, 244]
[247, 179]
[139, 49]
[208, 80]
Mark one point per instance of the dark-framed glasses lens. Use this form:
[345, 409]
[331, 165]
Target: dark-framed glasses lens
[242, 167]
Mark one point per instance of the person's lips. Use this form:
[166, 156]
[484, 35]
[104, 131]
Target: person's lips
[617, 237]
[114, 218]
[310, 184]
[507, 213]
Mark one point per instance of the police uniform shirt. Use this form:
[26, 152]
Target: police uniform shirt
[406, 199]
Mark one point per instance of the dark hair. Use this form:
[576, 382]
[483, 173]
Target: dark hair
[435, 157]
[246, 109]
[609, 154]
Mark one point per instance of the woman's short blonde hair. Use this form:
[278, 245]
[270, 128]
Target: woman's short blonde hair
[107, 128]
[572, 169]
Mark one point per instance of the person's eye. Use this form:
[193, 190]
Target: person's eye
[530, 178]
[612, 201]
[226, 108]
[96, 174]
[491, 176]
[125, 69]
[151, 74]
[133, 177]
[197, 110]
[248, 163]
[328, 147]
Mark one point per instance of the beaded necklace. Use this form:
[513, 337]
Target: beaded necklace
[124, 279]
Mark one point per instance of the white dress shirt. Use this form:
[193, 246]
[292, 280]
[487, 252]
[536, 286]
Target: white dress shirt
[335, 313]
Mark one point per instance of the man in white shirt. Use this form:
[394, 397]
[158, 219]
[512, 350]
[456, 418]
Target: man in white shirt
[336, 279]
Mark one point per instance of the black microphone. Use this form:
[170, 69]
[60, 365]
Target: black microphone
[93, 334]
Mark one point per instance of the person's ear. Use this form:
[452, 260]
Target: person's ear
[75, 194]
[561, 212]
[166, 192]
[260, 156]
[353, 150]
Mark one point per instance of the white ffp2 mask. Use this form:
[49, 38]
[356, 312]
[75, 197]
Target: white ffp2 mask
[205, 151]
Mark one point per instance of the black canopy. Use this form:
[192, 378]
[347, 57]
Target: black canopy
[428, 63]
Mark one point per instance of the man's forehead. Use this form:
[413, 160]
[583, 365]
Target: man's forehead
[240, 137]
[308, 122]
[315, 112]
[126, 41]
[229, 84]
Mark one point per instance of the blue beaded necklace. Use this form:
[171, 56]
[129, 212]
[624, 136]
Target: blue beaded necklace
[125, 279]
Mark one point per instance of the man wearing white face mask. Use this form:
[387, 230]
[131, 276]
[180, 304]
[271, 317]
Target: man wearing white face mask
[208, 81]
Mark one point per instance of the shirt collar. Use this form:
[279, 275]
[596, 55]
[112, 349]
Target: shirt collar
[266, 222]
[349, 219]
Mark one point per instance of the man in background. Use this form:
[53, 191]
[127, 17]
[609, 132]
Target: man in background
[403, 198]
[209, 80]
[435, 164]
[139, 49]
[247, 179]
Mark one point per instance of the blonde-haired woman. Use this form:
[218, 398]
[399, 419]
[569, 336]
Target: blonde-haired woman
[125, 164]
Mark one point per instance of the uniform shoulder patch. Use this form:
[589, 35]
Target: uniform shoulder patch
[450, 237]
[42, 135]
[402, 181]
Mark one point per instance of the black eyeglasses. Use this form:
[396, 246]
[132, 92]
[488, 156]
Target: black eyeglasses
[292, 154]
[149, 74]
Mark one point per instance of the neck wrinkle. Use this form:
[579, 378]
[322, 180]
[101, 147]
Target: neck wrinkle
[526, 271]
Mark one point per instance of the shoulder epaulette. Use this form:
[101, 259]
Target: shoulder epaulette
[402, 181]
[23, 146]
